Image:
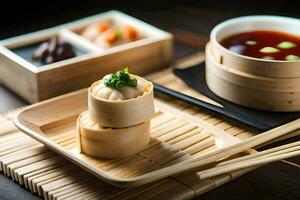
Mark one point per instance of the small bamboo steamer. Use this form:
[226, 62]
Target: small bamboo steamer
[255, 66]
[109, 143]
[120, 114]
[219, 81]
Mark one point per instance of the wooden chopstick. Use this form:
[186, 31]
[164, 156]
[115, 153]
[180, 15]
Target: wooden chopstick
[248, 143]
[261, 153]
[250, 162]
[216, 156]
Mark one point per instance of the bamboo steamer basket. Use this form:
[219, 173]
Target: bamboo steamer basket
[286, 85]
[120, 114]
[109, 143]
[264, 93]
[255, 66]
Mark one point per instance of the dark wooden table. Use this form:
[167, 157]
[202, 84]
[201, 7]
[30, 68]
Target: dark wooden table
[191, 27]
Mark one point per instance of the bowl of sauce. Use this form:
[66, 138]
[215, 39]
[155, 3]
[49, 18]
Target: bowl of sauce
[254, 61]
[260, 45]
[265, 44]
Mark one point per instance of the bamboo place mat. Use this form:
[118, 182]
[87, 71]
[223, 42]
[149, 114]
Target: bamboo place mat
[50, 176]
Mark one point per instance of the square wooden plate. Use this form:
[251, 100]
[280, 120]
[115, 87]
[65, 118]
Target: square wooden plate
[176, 137]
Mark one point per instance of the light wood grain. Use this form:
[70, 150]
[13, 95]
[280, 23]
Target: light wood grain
[119, 114]
[164, 150]
[109, 143]
[271, 94]
[146, 55]
[253, 160]
[188, 183]
[140, 171]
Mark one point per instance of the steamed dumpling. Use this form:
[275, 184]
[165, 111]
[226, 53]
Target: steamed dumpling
[107, 93]
[142, 85]
[124, 93]
[129, 92]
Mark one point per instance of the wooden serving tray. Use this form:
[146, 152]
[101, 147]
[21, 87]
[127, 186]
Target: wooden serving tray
[176, 136]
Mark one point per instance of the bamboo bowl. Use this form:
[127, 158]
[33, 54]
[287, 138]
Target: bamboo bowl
[120, 114]
[109, 143]
[259, 92]
[255, 66]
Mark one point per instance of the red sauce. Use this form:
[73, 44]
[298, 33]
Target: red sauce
[252, 44]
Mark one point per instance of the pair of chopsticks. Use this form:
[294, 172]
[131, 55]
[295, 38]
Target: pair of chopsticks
[215, 157]
[253, 160]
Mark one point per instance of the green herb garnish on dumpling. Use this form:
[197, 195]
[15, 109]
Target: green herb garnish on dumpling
[120, 79]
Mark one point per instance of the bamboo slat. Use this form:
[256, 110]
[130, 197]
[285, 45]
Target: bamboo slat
[52, 177]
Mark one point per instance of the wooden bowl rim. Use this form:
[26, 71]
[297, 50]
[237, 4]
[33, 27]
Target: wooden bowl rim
[225, 23]
[247, 75]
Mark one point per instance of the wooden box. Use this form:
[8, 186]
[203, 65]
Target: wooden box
[36, 83]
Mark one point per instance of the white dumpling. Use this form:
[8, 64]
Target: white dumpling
[98, 88]
[108, 93]
[116, 95]
[129, 92]
[104, 92]
[108, 76]
[124, 93]
[142, 86]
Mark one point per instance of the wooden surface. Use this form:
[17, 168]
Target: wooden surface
[28, 168]
[179, 133]
[191, 26]
[20, 172]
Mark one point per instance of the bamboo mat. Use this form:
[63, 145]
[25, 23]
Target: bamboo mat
[50, 176]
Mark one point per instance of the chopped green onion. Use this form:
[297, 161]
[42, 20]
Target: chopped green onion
[286, 45]
[269, 50]
[292, 58]
[251, 42]
[120, 79]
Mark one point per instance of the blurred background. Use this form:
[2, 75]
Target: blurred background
[18, 17]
